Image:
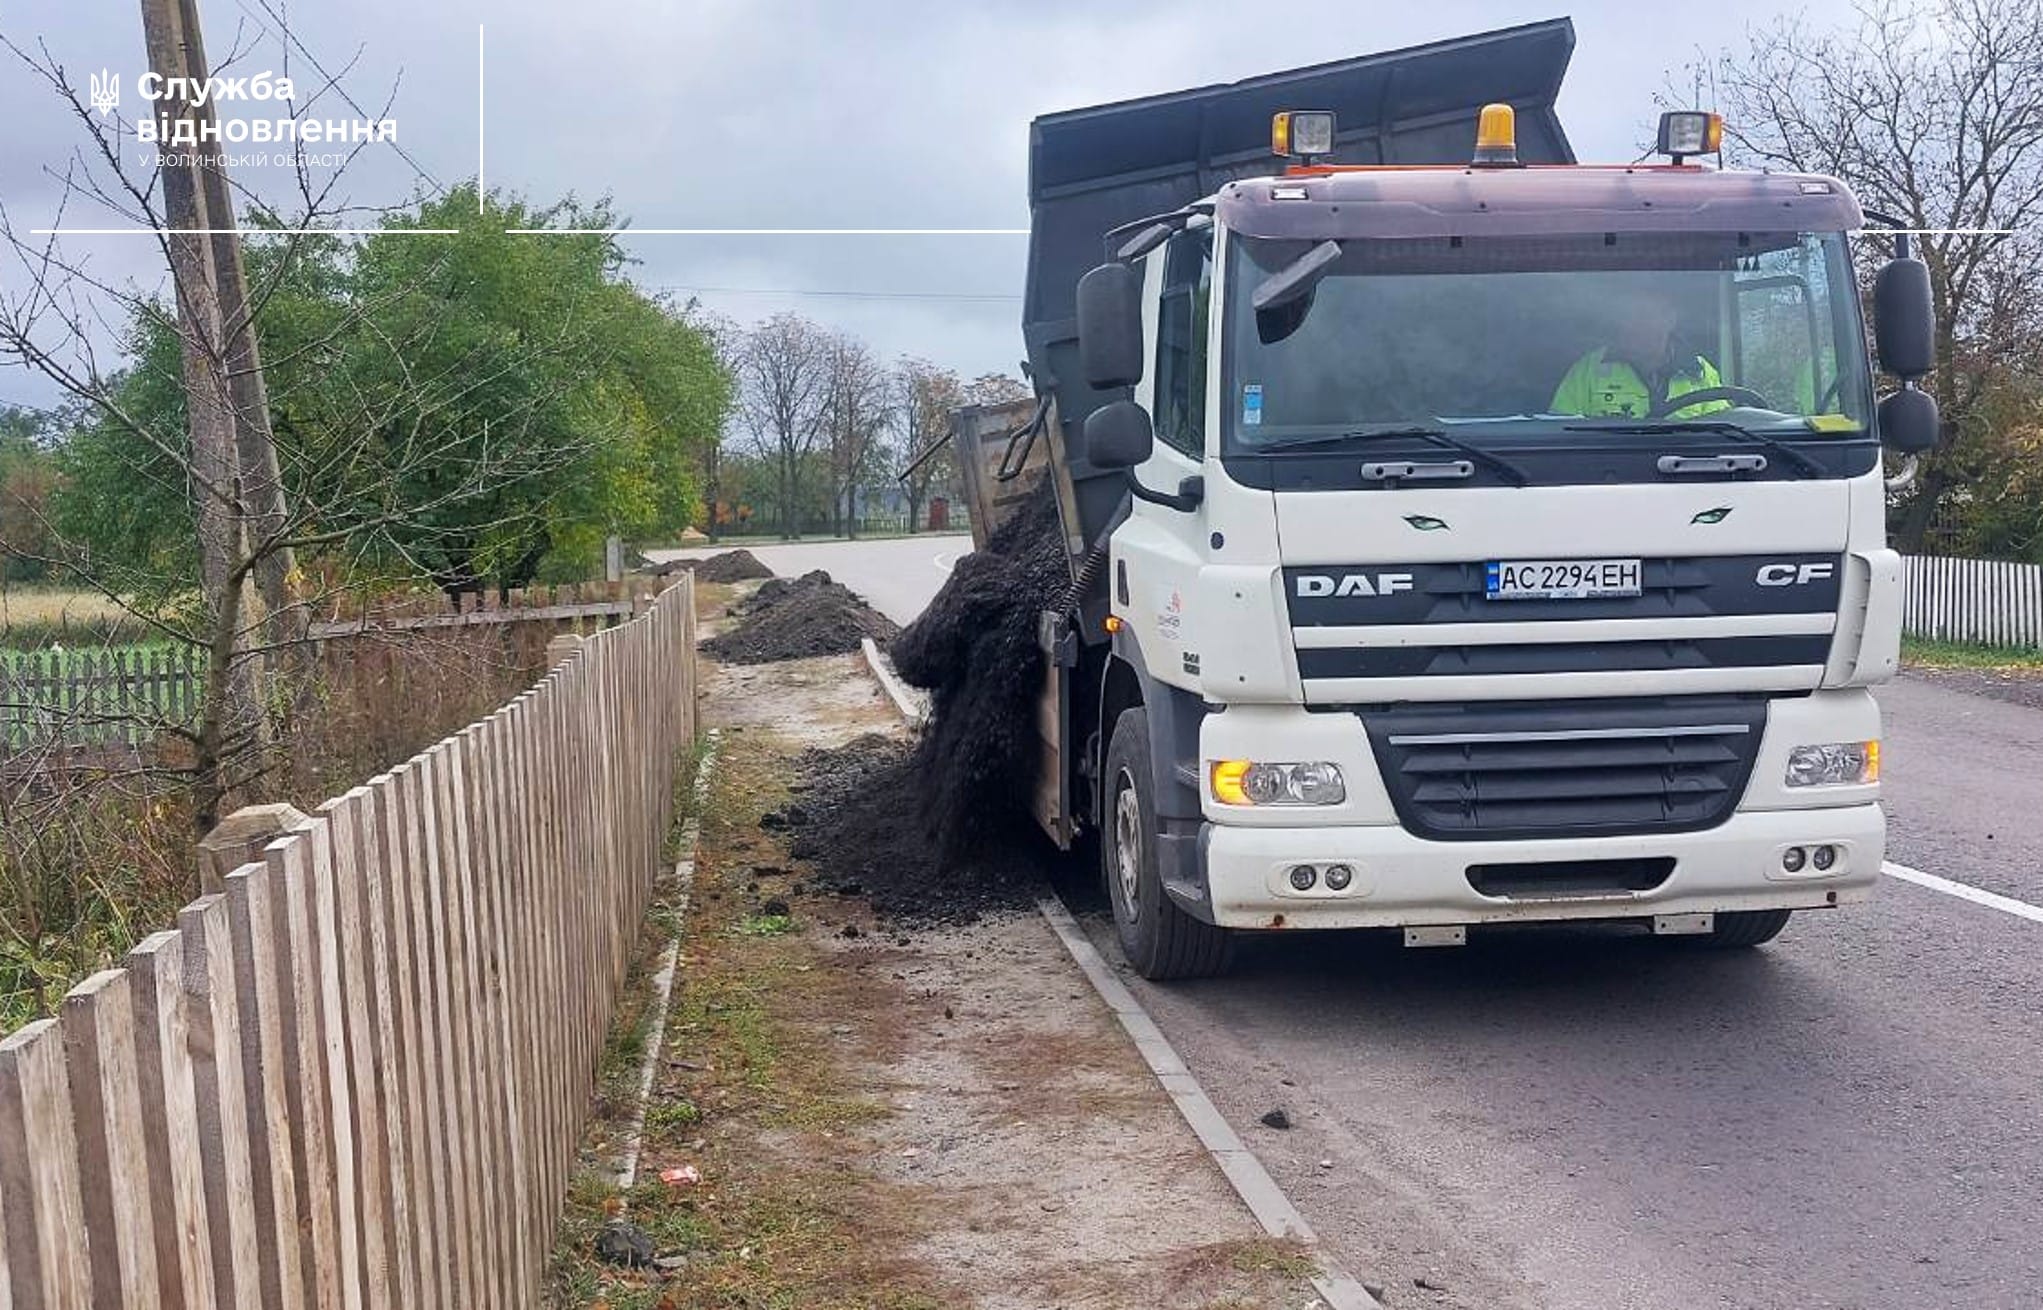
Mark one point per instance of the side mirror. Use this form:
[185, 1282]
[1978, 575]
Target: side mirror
[1905, 318]
[1908, 422]
[1118, 435]
[1110, 327]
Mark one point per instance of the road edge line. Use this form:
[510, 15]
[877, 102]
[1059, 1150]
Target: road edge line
[1964, 892]
[1243, 1171]
[663, 977]
[904, 699]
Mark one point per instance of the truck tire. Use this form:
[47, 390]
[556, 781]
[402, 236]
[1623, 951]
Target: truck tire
[1738, 929]
[1160, 940]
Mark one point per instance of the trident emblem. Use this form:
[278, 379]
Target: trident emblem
[106, 92]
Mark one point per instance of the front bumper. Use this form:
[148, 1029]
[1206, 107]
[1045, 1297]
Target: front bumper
[1402, 880]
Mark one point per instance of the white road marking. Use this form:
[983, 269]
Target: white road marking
[945, 561]
[1265, 1200]
[1965, 892]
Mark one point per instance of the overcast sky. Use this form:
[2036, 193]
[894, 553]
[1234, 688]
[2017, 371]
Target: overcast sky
[793, 113]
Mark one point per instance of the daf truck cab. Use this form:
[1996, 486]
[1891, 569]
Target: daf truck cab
[1495, 540]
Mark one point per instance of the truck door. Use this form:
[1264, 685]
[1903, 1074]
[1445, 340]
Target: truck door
[1157, 553]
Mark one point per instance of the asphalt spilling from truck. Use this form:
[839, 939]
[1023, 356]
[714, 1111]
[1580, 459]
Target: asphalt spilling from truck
[939, 830]
[974, 651]
[856, 816]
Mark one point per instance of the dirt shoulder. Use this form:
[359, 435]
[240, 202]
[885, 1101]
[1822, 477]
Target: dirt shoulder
[882, 1118]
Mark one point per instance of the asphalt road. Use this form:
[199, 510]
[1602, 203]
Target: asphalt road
[1590, 1119]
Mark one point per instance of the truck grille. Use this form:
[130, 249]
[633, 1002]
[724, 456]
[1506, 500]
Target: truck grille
[1567, 769]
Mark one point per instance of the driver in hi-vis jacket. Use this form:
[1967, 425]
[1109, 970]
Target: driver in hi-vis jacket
[1639, 370]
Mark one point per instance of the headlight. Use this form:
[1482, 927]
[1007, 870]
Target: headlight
[1841, 763]
[1249, 782]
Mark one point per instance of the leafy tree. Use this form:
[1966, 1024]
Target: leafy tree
[924, 461]
[784, 376]
[27, 475]
[1933, 113]
[857, 415]
[473, 407]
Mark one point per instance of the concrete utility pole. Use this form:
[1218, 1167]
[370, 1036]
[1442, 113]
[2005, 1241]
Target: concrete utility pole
[234, 716]
[215, 463]
[262, 485]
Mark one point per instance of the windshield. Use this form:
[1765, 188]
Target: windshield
[1498, 341]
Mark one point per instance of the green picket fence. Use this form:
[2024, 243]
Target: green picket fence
[96, 696]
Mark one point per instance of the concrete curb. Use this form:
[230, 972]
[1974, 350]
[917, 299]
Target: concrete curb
[663, 977]
[1258, 1191]
[911, 704]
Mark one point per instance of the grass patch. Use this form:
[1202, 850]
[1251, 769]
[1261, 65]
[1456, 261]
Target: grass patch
[672, 1116]
[1268, 1255]
[39, 616]
[1924, 653]
[766, 925]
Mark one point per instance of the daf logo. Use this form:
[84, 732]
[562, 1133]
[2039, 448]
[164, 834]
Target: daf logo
[1794, 575]
[1314, 585]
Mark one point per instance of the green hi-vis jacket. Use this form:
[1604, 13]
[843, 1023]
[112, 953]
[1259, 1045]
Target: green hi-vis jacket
[1597, 387]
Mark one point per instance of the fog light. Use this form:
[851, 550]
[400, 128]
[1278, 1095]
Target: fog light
[1823, 856]
[1303, 876]
[1338, 877]
[1793, 858]
[1689, 132]
[1302, 134]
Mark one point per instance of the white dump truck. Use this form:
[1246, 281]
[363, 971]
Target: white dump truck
[1460, 534]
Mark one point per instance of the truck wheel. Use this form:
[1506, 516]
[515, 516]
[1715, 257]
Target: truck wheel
[1743, 928]
[1159, 939]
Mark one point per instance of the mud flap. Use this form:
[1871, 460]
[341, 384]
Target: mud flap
[1181, 865]
[1174, 719]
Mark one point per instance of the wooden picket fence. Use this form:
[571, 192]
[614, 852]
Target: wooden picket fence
[1991, 602]
[357, 1076]
[581, 602]
[124, 697]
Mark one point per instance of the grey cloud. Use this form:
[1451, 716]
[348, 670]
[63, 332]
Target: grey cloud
[813, 113]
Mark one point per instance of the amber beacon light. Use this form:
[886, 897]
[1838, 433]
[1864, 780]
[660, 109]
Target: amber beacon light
[1496, 138]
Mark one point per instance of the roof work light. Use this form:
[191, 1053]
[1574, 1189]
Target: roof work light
[1496, 138]
[1306, 134]
[1685, 132]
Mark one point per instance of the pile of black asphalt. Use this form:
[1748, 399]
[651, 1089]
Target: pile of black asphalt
[798, 618]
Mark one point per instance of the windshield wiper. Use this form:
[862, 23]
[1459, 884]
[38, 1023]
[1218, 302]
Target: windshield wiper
[1433, 436]
[1802, 464]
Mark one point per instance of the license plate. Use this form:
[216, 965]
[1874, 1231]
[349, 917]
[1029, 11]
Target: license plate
[1560, 579]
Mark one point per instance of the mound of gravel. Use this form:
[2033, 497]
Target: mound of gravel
[975, 651]
[857, 818]
[807, 616]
